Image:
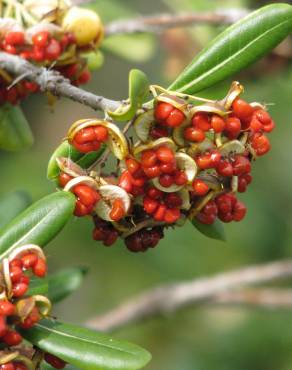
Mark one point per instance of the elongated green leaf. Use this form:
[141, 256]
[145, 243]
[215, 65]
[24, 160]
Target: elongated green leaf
[214, 231]
[38, 286]
[39, 223]
[45, 366]
[236, 48]
[12, 204]
[86, 349]
[138, 91]
[65, 282]
[15, 133]
[67, 150]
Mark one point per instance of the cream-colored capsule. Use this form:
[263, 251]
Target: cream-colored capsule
[85, 24]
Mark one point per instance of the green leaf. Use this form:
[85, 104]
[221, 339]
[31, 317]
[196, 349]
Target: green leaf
[38, 286]
[137, 48]
[12, 204]
[39, 223]
[236, 48]
[85, 348]
[138, 92]
[68, 151]
[214, 231]
[15, 133]
[65, 282]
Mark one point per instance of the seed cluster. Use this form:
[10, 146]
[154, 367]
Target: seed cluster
[56, 42]
[192, 158]
[18, 309]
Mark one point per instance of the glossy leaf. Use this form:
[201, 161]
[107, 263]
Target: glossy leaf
[67, 150]
[65, 282]
[15, 133]
[236, 48]
[85, 348]
[138, 91]
[38, 287]
[12, 204]
[39, 223]
[214, 231]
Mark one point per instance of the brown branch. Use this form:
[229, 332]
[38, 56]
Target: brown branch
[54, 82]
[171, 297]
[157, 23]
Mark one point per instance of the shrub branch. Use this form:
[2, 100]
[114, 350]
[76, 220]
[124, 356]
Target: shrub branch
[225, 288]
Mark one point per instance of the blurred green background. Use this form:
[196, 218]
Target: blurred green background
[196, 338]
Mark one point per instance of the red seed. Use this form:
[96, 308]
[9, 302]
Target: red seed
[180, 178]
[64, 178]
[12, 338]
[242, 109]
[148, 158]
[165, 154]
[206, 219]
[40, 268]
[200, 187]
[217, 123]
[152, 172]
[168, 168]
[41, 39]
[166, 180]
[118, 210]
[241, 165]
[53, 50]
[88, 196]
[54, 361]
[101, 133]
[15, 38]
[173, 200]
[19, 289]
[15, 274]
[194, 134]
[201, 121]
[261, 144]
[132, 165]
[224, 168]
[239, 211]
[125, 181]
[162, 111]
[160, 213]
[6, 308]
[29, 260]
[233, 127]
[3, 326]
[7, 366]
[84, 77]
[171, 215]
[154, 193]
[175, 118]
[150, 205]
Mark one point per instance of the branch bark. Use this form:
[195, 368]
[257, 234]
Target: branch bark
[171, 297]
[54, 82]
[157, 23]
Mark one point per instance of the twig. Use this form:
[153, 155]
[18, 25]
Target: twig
[266, 298]
[171, 297]
[157, 23]
[54, 82]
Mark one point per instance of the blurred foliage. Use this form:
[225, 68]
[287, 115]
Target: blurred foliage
[197, 338]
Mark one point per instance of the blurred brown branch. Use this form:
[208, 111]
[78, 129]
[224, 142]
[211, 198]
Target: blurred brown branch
[53, 82]
[157, 23]
[223, 288]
